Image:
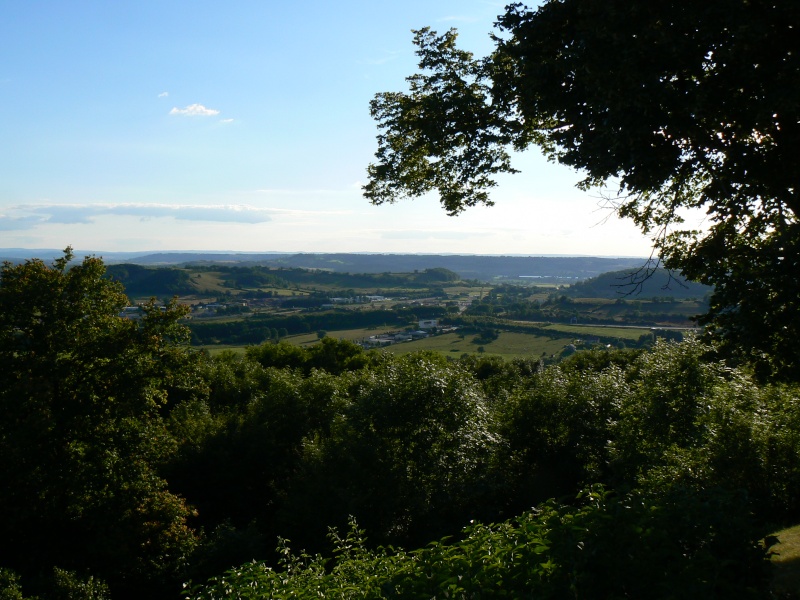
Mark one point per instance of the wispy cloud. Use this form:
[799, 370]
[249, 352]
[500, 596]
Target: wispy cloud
[457, 19]
[226, 120]
[29, 216]
[163, 94]
[384, 57]
[306, 192]
[12, 223]
[194, 110]
[429, 235]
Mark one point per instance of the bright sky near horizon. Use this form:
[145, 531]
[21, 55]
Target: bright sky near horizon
[244, 126]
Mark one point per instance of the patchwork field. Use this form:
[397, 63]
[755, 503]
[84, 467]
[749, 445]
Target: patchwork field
[625, 333]
[508, 345]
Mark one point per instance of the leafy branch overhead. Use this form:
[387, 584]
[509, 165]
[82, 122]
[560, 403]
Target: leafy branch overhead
[676, 105]
[445, 134]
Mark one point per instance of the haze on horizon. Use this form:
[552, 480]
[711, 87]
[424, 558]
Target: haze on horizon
[188, 126]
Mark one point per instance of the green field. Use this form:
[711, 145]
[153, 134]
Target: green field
[353, 335]
[216, 350]
[508, 345]
[625, 333]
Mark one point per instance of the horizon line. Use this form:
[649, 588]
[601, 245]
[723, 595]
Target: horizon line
[312, 252]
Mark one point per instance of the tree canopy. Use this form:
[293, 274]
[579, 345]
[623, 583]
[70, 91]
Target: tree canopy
[673, 104]
[82, 393]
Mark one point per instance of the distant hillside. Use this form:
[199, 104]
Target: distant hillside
[420, 279]
[531, 269]
[563, 269]
[48, 255]
[616, 284]
[484, 268]
[201, 258]
[144, 281]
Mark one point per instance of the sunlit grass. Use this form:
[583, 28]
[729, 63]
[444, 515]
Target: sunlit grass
[508, 345]
[786, 563]
[627, 333]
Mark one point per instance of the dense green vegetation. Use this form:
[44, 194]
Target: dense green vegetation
[699, 447]
[85, 397]
[558, 551]
[660, 283]
[165, 281]
[130, 463]
[143, 281]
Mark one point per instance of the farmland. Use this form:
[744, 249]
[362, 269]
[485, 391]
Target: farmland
[235, 307]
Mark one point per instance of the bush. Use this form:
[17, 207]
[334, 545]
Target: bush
[604, 546]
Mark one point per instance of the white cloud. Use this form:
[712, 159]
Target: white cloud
[163, 94]
[302, 192]
[194, 110]
[226, 121]
[430, 235]
[10, 223]
[29, 216]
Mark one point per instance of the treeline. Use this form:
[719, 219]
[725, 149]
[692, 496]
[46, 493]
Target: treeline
[513, 302]
[259, 327]
[638, 284]
[160, 281]
[143, 281]
[423, 278]
[481, 324]
[249, 277]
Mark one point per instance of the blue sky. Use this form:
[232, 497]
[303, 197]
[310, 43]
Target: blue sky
[244, 126]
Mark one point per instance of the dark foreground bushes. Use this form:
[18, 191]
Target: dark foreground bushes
[682, 545]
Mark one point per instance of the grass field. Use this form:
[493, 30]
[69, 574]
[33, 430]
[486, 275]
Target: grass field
[209, 282]
[353, 335]
[786, 563]
[216, 350]
[508, 345]
[625, 333]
